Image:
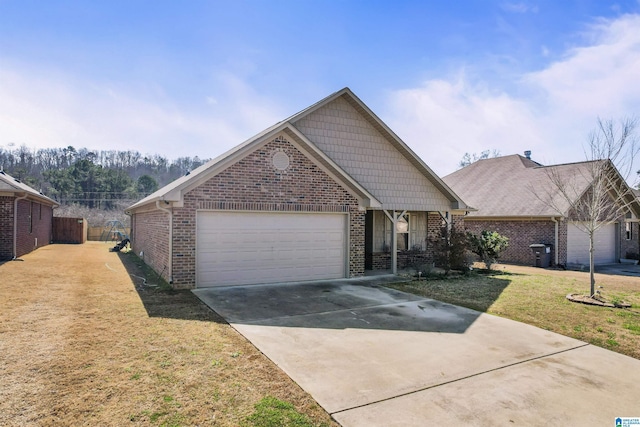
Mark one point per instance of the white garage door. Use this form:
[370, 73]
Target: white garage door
[240, 248]
[578, 245]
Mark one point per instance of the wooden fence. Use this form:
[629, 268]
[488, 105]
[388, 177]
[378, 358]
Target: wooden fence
[69, 230]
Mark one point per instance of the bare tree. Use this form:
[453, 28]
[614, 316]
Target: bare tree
[467, 158]
[595, 193]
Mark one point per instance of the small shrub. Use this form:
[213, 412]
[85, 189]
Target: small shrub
[488, 246]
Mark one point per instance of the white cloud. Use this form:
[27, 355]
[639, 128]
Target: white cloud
[47, 109]
[520, 7]
[553, 112]
[444, 119]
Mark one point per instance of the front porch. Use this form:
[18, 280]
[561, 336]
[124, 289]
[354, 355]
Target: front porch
[401, 240]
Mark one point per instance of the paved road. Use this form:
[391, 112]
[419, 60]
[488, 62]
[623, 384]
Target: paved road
[372, 356]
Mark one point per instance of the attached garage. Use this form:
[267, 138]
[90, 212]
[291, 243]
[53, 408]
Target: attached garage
[578, 245]
[241, 248]
[288, 204]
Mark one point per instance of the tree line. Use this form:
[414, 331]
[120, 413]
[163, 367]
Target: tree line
[93, 178]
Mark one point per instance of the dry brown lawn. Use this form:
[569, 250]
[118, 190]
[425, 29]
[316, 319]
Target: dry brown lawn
[84, 343]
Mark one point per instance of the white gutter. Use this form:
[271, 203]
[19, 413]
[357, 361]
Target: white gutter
[15, 224]
[170, 238]
[555, 236]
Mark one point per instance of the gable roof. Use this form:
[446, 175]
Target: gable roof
[14, 186]
[339, 168]
[515, 186]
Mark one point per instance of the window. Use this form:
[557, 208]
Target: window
[627, 229]
[402, 231]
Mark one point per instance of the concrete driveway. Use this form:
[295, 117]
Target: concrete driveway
[372, 356]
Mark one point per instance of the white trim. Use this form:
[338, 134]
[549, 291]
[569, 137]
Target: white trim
[394, 238]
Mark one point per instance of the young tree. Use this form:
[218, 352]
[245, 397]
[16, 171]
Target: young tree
[598, 195]
[467, 158]
[488, 246]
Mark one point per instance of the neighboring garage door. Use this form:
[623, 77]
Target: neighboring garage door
[241, 248]
[578, 245]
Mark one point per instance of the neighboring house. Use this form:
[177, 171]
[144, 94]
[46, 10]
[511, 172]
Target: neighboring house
[25, 218]
[509, 195]
[315, 196]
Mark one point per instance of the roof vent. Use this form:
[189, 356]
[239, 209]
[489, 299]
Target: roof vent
[527, 154]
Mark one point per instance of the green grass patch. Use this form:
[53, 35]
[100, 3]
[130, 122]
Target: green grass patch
[633, 327]
[273, 412]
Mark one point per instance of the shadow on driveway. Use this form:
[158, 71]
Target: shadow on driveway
[618, 269]
[338, 304]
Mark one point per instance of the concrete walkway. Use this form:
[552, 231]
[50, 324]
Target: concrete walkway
[372, 356]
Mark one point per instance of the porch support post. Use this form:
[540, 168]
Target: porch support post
[394, 237]
[447, 219]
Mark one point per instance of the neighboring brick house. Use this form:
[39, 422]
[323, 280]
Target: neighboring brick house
[25, 218]
[315, 196]
[508, 193]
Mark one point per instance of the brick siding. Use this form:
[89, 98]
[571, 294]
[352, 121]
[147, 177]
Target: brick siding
[6, 228]
[521, 234]
[34, 226]
[629, 246]
[151, 238]
[524, 233]
[252, 183]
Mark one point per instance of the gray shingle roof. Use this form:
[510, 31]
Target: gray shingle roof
[173, 191]
[514, 186]
[9, 184]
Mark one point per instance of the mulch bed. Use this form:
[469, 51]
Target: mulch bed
[585, 299]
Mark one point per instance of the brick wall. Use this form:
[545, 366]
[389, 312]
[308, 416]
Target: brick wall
[521, 234]
[406, 260]
[151, 237]
[252, 183]
[631, 245]
[411, 258]
[34, 226]
[6, 228]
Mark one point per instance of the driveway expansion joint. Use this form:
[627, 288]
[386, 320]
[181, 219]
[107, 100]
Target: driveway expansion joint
[477, 374]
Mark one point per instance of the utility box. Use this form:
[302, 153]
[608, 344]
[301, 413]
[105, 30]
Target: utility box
[541, 254]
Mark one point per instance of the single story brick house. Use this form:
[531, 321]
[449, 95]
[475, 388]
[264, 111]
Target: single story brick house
[25, 218]
[327, 193]
[506, 191]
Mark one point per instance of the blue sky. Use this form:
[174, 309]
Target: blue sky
[199, 77]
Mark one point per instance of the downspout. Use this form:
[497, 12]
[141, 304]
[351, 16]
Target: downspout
[170, 239]
[555, 236]
[15, 225]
